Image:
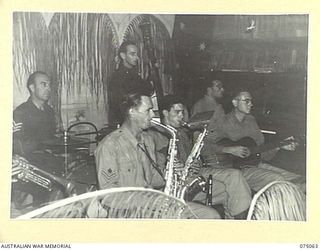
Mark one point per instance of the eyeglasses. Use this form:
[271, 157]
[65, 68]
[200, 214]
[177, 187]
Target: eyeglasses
[247, 101]
[217, 86]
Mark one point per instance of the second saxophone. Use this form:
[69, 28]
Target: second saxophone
[178, 181]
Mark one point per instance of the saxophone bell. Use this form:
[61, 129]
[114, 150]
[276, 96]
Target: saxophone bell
[191, 189]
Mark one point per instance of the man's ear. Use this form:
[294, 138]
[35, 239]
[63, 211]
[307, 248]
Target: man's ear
[122, 55]
[208, 90]
[31, 87]
[165, 113]
[235, 102]
[131, 111]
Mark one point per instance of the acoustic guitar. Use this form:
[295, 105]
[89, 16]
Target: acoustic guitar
[229, 160]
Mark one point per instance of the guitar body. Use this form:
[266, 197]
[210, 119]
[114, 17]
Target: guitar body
[248, 142]
[228, 160]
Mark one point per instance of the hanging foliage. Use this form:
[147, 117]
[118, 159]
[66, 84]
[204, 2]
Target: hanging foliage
[32, 52]
[102, 43]
[83, 51]
[30, 38]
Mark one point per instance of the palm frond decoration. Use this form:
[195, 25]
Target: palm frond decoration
[279, 200]
[30, 47]
[127, 202]
[84, 47]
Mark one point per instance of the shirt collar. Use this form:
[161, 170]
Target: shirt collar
[35, 107]
[235, 119]
[133, 70]
[210, 99]
[124, 129]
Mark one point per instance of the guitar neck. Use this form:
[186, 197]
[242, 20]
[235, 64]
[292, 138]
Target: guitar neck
[269, 146]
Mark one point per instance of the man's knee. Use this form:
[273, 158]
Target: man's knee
[203, 212]
[274, 177]
[235, 174]
[213, 214]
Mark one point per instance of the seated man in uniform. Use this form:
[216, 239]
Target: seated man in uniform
[234, 126]
[213, 92]
[209, 107]
[126, 157]
[36, 124]
[35, 115]
[229, 186]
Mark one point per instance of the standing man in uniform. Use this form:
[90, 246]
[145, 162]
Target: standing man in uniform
[125, 79]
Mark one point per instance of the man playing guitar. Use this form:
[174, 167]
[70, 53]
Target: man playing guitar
[236, 125]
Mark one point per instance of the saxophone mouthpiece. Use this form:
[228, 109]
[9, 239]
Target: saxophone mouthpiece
[185, 124]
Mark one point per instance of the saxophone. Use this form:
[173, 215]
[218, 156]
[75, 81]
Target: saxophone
[177, 184]
[170, 175]
[198, 182]
[27, 172]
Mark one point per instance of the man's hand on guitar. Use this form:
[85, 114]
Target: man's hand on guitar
[291, 146]
[239, 151]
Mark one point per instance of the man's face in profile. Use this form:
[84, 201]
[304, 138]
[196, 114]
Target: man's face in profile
[144, 113]
[130, 58]
[41, 88]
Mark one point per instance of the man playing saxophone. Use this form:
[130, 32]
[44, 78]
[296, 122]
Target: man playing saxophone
[229, 186]
[126, 157]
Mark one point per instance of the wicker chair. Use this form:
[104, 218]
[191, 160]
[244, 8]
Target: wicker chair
[114, 203]
[279, 200]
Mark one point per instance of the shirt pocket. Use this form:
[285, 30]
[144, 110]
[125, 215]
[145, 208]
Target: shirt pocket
[126, 166]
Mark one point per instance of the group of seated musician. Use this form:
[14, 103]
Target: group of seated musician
[230, 133]
[229, 186]
[127, 157]
[136, 154]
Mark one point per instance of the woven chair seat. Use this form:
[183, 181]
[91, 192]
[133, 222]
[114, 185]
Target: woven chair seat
[131, 202]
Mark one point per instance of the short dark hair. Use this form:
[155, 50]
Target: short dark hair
[32, 78]
[124, 45]
[236, 92]
[168, 101]
[131, 100]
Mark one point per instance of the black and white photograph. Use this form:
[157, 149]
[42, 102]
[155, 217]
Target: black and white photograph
[156, 122]
[159, 116]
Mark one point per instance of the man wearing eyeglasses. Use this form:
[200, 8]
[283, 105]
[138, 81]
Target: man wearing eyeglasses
[236, 125]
